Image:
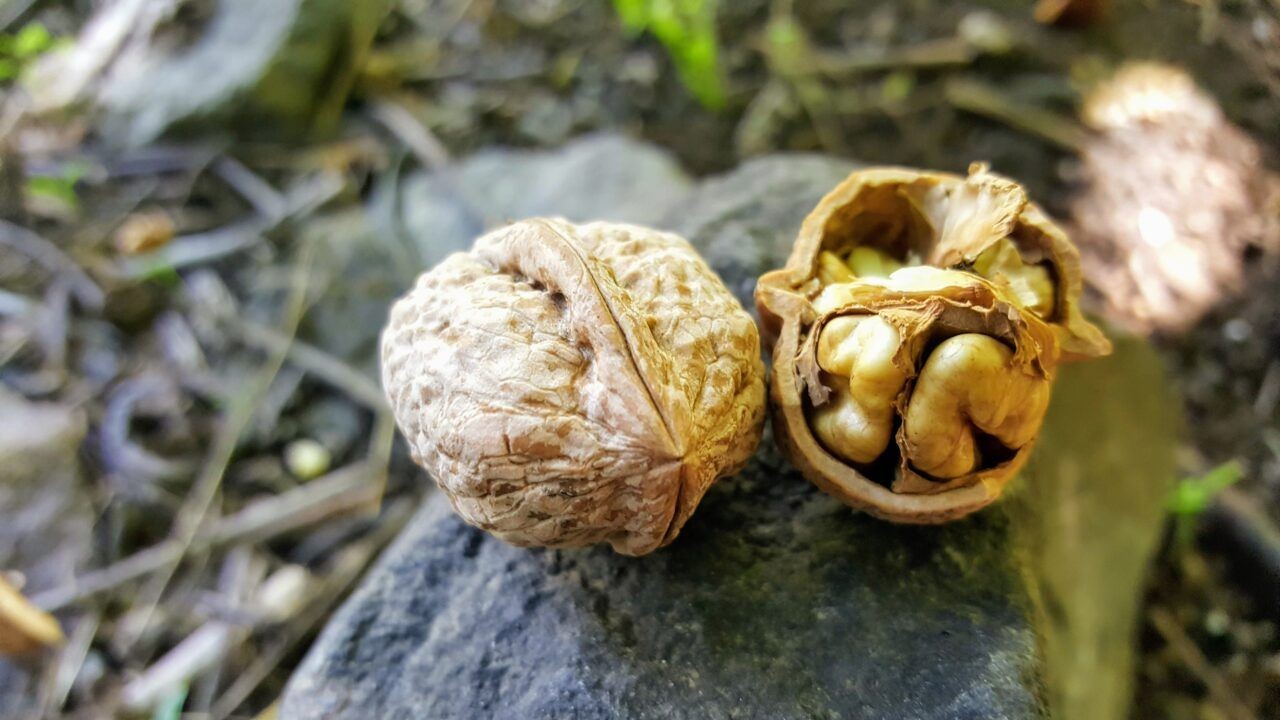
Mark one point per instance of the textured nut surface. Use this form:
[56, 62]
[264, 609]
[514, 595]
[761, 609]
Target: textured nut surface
[857, 354]
[568, 385]
[967, 386]
[1174, 199]
[916, 330]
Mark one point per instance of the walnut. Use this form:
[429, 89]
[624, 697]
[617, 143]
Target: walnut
[1173, 202]
[570, 385]
[917, 328]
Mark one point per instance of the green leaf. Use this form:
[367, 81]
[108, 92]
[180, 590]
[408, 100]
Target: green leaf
[31, 40]
[1192, 495]
[60, 187]
[161, 273]
[633, 13]
[170, 707]
[897, 86]
[53, 187]
[687, 28]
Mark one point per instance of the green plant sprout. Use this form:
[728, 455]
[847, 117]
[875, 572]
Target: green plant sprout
[60, 188]
[1193, 495]
[687, 28]
[17, 50]
[170, 706]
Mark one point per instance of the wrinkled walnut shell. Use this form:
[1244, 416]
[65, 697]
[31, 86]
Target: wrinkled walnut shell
[1174, 199]
[570, 385]
[934, 219]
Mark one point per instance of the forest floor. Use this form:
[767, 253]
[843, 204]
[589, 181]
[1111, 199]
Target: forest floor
[193, 383]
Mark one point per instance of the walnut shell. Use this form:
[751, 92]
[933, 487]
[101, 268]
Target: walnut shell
[567, 385]
[1002, 347]
[1174, 199]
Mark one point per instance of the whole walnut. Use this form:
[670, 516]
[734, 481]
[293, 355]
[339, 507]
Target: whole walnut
[916, 332]
[1174, 200]
[567, 384]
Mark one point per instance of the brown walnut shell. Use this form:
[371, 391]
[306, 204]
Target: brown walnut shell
[946, 222]
[568, 385]
[1174, 199]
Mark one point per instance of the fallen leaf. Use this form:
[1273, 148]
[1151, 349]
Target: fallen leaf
[23, 626]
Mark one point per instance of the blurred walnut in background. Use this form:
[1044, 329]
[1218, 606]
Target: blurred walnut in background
[1176, 198]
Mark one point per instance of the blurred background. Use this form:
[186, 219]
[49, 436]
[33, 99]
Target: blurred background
[206, 207]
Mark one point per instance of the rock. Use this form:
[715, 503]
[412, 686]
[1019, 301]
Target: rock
[280, 68]
[435, 218]
[603, 176]
[362, 271]
[776, 601]
[596, 177]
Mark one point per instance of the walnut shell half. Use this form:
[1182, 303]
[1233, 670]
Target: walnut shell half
[916, 393]
[567, 385]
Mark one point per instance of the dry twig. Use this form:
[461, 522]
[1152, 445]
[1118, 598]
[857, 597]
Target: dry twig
[1219, 689]
[347, 568]
[982, 99]
[337, 493]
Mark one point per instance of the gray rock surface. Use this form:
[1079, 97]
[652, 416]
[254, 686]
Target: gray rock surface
[776, 601]
[596, 177]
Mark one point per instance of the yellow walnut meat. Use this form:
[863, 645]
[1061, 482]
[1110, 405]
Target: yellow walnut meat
[567, 385]
[917, 327]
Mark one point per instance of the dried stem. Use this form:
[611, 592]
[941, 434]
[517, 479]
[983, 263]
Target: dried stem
[990, 102]
[71, 660]
[196, 508]
[53, 259]
[1219, 689]
[424, 144]
[266, 200]
[335, 494]
[946, 52]
[348, 567]
[312, 360]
